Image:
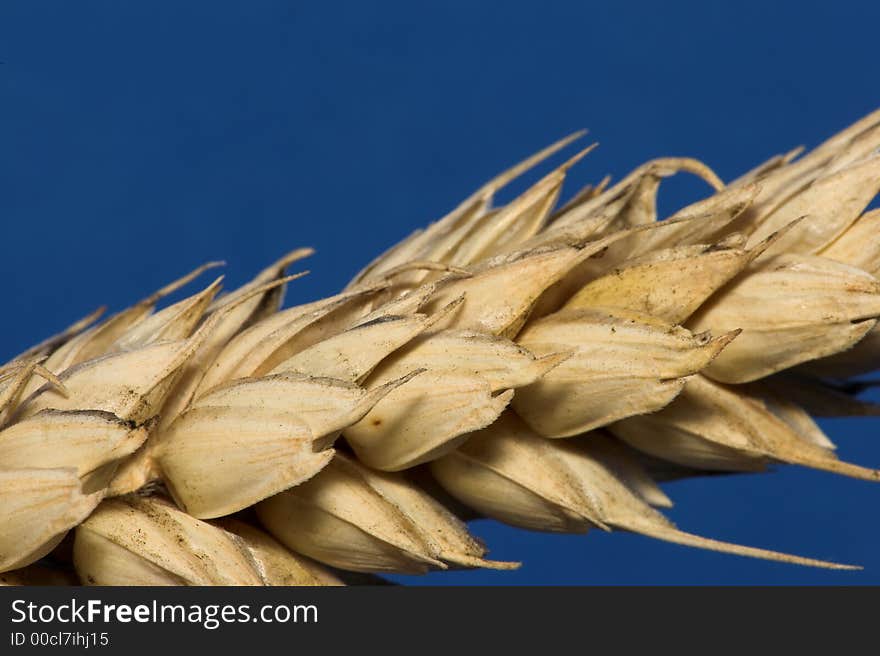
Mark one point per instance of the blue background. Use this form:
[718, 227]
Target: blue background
[138, 140]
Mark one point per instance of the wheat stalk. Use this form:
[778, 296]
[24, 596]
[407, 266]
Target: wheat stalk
[544, 366]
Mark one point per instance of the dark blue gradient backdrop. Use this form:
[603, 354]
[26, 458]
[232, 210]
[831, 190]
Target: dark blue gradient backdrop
[139, 139]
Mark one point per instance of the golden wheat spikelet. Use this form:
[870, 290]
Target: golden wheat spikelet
[544, 366]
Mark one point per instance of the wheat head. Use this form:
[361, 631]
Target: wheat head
[546, 366]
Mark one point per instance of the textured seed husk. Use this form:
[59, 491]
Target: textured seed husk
[508, 472]
[465, 369]
[99, 340]
[229, 363]
[424, 419]
[100, 561]
[220, 459]
[525, 225]
[258, 299]
[418, 247]
[859, 244]
[277, 564]
[699, 223]
[442, 235]
[325, 405]
[829, 206]
[817, 397]
[621, 364]
[862, 358]
[446, 535]
[175, 322]
[595, 460]
[137, 471]
[131, 385]
[55, 496]
[215, 331]
[147, 541]
[590, 227]
[585, 193]
[786, 347]
[641, 206]
[337, 518]
[708, 415]
[704, 447]
[13, 381]
[690, 275]
[583, 218]
[629, 203]
[419, 422]
[499, 298]
[683, 229]
[263, 346]
[505, 472]
[625, 465]
[82, 439]
[406, 300]
[266, 302]
[590, 468]
[501, 362]
[134, 384]
[496, 232]
[639, 189]
[797, 419]
[782, 183]
[792, 309]
[696, 223]
[354, 353]
[502, 292]
[861, 148]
